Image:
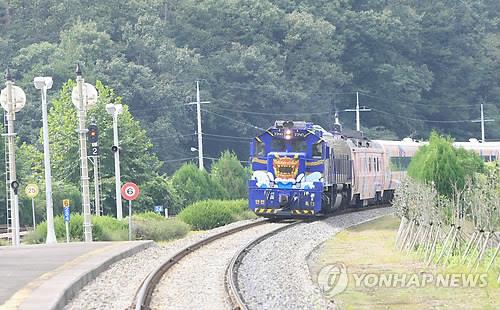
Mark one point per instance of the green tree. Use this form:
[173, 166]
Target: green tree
[439, 162]
[138, 164]
[193, 185]
[231, 175]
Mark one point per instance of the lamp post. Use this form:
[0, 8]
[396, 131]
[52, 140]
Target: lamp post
[114, 110]
[12, 99]
[44, 83]
[83, 96]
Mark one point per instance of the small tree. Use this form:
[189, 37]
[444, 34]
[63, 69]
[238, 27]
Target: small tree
[229, 173]
[194, 185]
[446, 166]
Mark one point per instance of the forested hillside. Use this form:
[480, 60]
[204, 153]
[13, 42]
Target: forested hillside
[418, 64]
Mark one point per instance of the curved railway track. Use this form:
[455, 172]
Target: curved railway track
[231, 277]
[144, 295]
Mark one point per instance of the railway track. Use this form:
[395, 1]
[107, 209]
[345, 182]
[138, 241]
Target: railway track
[144, 295]
[231, 277]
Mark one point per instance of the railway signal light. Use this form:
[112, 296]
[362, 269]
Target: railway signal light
[93, 133]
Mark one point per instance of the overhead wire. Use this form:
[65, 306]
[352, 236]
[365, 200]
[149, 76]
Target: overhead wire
[233, 120]
[423, 120]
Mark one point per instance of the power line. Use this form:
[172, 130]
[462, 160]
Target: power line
[224, 136]
[268, 113]
[226, 140]
[233, 120]
[421, 120]
[421, 104]
[179, 159]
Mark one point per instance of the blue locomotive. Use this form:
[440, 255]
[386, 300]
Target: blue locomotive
[295, 172]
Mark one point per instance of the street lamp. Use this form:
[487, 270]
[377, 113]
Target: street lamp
[114, 110]
[83, 96]
[12, 99]
[44, 83]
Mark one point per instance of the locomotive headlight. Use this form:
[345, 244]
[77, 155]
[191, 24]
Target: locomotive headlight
[288, 134]
[312, 196]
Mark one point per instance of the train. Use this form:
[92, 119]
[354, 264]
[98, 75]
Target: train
[302, 170]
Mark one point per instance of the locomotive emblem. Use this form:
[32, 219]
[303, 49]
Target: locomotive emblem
[285, 167]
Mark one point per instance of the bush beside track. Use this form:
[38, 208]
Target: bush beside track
[201, 215]
[209, 214]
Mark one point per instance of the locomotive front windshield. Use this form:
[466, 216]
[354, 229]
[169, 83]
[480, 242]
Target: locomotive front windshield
[294, 145]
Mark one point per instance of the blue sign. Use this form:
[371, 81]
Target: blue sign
[66, 214]
[158, 209]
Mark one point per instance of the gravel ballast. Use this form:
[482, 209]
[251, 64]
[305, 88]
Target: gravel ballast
[273, 275]
[197, 281]
[281, 278]
[116, 287]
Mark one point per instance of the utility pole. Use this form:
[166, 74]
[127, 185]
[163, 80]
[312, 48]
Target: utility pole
[44, 83]
[199, 131]
[482, 121]
[357, 110]
[114, 110]
[84, 95]
[12, 100]
[200, 138]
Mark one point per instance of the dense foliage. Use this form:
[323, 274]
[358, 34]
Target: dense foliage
[418, 65]
[258, 60]
[445, 166]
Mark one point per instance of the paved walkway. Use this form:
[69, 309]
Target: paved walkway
[48, 276]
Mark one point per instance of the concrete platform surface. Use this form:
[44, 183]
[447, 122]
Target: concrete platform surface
[48, 276]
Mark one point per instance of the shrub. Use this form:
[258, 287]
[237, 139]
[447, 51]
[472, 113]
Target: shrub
[152, 226]
[231, 175]
[209, 214]
[147, 225]
[104, 228]
[193, 185]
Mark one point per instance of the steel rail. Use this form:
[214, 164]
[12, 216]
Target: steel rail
[144, 294]
[231, 277]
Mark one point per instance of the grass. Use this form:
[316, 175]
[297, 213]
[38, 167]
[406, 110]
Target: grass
[369, 249]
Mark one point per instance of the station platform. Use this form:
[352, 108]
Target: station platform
[48, 276]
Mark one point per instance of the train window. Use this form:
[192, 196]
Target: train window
[278, 145]
[378, 164]
[260, 148]
[299, 145]
[493, 157]
[369, 164]
[400, 163]
[317, 150]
